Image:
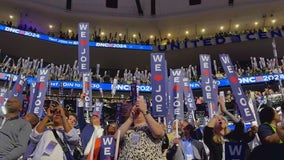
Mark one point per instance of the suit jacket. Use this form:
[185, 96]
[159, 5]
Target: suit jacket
[177, 152]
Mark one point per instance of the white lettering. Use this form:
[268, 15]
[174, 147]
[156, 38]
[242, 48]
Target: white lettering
[235, 150]
[158, 67]
[83, 26]
[157, 58]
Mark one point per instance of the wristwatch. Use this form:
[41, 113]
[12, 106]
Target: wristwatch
[147, 112]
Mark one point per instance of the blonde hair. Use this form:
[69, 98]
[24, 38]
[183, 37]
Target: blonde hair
[217, 138]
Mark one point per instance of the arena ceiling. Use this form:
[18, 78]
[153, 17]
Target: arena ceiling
[171, 17]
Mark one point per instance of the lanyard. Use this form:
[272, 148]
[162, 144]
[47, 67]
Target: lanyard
[3, 122]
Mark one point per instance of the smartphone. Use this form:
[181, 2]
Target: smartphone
[54, 103]
[222, 95]
[133, 93]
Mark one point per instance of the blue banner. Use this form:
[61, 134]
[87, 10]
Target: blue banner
[32, 93]
[98, 108]
[83, 47]
[74, 43]
[159, 82]
[18, 87]
[3, 100]
[188, 95]
[191, 117]
[239, 95]
[177, 97]
[107, 150]
[214, 107]
[118, 117]
[170, 117]
[169, 122]
[235, 151]
[209, 89]
[206, 77]
[87, 80]
[41, 87]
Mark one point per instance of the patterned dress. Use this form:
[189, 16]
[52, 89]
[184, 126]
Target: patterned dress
[139, 144]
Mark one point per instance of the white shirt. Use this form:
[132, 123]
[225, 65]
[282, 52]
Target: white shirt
[56, 153]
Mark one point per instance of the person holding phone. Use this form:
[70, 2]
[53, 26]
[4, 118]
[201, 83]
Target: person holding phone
[47, 146]
[141, 134]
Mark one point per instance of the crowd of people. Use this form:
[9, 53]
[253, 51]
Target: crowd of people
[257, 66]
[115, 37]
[60, 134]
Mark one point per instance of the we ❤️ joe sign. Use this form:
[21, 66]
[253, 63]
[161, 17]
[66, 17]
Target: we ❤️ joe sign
[159, 82]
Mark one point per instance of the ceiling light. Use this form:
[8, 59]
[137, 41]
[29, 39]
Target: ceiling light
[273, 21]
[255, 23]
[169, 34]
[203, 30]
[237, 26]
[222, 27]
[50, 26]
[151, 36]
[186, 32]
[120, 34]
[134, 35]
[11, 16]
[69, 30]
[102, 33]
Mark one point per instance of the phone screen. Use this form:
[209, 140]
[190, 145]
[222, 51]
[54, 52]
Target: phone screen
[133, 93]
[222, 95]
[54, 103]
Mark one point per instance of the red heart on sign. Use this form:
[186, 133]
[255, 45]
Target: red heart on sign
[40, 86]
[87, 85]
[158, 77]
[18, 87]
[206, 72]
[187, 89]
[234, 80]
[176, 87]
[83, 42]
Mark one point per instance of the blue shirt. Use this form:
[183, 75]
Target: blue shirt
[188, 151]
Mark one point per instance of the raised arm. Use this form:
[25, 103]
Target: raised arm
[80, 112]
[42, 124]
[225, 111]
[156, 129]
[66, 125]
[125, 126]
